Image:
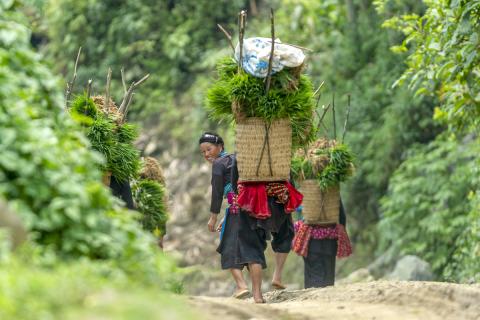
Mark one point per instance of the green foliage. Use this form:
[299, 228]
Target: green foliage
[83, 106]
[287, 98]
[444, 60]
[112, 139]
[150, 197]
[47, 171]
[426, 211]
[328, 164]
[85, 289]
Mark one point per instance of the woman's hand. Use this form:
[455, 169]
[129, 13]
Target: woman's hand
[212, 222]
[219, 228]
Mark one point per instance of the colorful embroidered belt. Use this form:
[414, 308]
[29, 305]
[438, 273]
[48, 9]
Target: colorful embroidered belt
[305, 232]
[253, 197]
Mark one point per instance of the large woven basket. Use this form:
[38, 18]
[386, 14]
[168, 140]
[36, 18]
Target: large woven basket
[319, 208]
[259, 159]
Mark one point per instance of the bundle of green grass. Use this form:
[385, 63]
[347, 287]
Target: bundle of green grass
[328, 162]
[236, 95]
[109, 135]
[150, 194]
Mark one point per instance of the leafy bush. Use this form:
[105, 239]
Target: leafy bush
[427, 212]
[84, 289]
[48, 174]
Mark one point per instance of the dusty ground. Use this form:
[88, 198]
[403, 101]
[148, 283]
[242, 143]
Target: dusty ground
[371, 300]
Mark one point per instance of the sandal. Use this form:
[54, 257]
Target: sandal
[242, 294]
[278, 286]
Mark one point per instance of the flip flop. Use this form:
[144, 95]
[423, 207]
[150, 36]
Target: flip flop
[278, 286]
[242, 294]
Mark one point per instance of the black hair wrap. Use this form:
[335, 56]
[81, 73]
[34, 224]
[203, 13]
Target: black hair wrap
[211, 138]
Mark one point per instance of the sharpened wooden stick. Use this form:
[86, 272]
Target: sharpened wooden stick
[270, 59]
[123, 80]
[89, 88]
[346, 119]
[127, 97]
[241, 30]
[229, 37]
[72, 83]
[107, 90]
[333, 114]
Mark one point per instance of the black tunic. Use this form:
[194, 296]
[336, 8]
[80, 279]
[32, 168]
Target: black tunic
[241, 244]
[122, 190]
[279, 226]
[319, 264]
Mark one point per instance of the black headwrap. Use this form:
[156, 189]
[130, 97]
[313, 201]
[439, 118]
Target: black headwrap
[210, 137]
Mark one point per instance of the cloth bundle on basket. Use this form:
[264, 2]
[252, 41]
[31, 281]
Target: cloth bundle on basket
[256, 54]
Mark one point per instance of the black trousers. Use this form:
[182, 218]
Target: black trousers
[319, 264]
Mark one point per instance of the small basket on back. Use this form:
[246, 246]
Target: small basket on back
[263, 149]
[320, 207]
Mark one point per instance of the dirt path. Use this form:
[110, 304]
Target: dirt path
[372, 300]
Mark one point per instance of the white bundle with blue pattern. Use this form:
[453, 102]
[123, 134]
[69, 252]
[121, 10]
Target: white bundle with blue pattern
[256, 53]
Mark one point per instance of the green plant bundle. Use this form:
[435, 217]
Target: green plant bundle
[290, 96]
[329, 165]
[113, 140]
[150, 197]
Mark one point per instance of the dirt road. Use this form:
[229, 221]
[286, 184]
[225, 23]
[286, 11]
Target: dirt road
[371, 300]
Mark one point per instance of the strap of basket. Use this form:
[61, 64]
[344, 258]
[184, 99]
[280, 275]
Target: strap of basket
[266, 142]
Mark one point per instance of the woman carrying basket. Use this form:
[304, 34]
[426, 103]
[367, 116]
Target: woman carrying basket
[212, 148]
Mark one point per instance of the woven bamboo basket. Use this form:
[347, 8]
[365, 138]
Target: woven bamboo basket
[259, 159]
[319, 208]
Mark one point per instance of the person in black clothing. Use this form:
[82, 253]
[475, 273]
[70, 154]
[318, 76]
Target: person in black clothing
[212, 148]
[319, 264]
[120, 189]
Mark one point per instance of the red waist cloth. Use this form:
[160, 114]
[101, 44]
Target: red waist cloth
[305, 232]
[252, 197]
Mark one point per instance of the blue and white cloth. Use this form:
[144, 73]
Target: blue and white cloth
[256, 54]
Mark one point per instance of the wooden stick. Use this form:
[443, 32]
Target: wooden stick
[319, 87]
[346, 120]
[333, 113]
[270, 59]
[107, 90]
[123, 81]
[89, 88]
[320, 121]
[229, 37]
[127, 96]
[241, 30]
[71, 83]
[124, 117]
